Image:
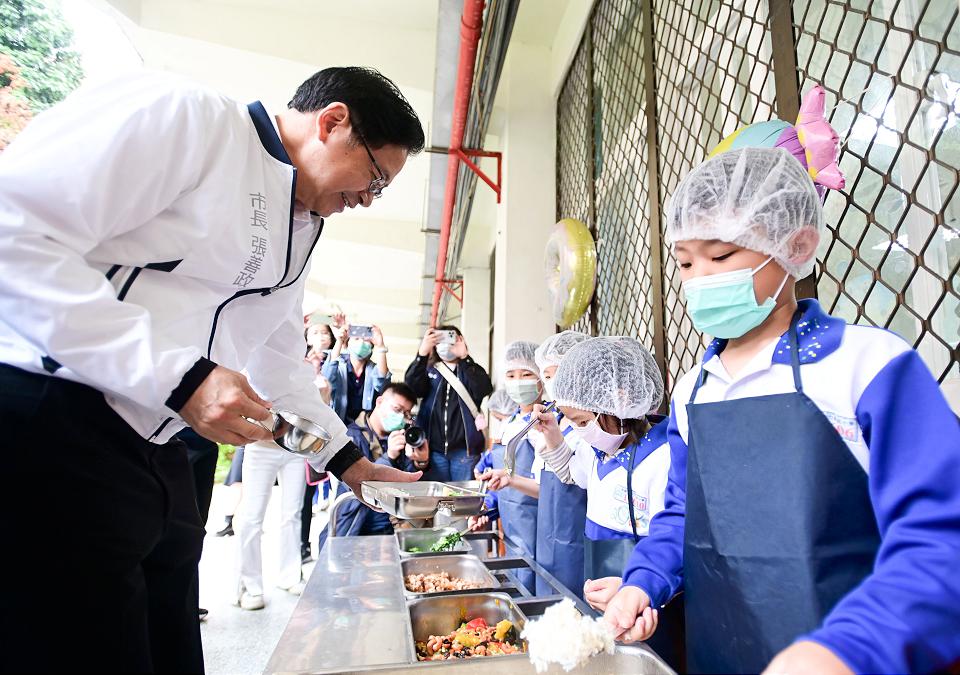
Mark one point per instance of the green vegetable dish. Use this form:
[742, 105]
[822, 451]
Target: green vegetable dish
[447, 542]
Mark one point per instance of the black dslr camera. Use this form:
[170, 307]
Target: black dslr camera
[414, 436]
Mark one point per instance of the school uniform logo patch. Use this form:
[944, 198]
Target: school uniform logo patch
[847, 427]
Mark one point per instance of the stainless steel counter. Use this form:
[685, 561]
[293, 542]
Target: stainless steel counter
[353, 618]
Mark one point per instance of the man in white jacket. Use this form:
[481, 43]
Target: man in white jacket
[154, 243]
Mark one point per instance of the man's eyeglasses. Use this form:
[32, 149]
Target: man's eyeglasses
[377, 184]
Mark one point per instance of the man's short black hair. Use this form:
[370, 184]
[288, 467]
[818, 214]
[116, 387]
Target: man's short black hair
[402, 390]
[378, 111]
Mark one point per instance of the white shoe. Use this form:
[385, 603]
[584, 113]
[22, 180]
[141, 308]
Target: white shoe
[296, 589]
[250, 602]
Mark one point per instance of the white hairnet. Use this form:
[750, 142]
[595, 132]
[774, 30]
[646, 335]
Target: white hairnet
[519, 355]
[757, 198]
[611, 375]
[501, 403]
[552, 350]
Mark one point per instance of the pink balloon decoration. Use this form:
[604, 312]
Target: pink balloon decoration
[820, 142]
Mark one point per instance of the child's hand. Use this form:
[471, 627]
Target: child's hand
[497, 479]
[599, 592]
[548, 427]
[807, 657]
[476, 522]
[396, 444]
[629, 615]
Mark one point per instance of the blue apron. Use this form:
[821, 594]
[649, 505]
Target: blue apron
[561, 517]
[779, 525]
[518, 512]
[608, 557]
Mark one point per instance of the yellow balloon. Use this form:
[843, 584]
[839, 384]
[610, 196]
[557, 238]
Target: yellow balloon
[570, 262]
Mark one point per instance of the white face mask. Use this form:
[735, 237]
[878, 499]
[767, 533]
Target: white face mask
[445, 352]
[548, 390]
[606, 443]
[524, 392]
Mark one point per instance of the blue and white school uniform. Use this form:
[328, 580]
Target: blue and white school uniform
[637, 474]
[518, 512]
[561, 518]
[814, 495]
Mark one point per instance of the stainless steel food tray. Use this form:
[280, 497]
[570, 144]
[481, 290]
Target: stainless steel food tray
[423, 499]
[466, 567]
[425, 537]
[443, 614]
[474, 485]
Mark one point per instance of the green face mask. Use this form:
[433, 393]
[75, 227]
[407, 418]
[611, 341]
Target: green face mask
[361, 349]
[524, 392]
[725, 305]
[392, 421]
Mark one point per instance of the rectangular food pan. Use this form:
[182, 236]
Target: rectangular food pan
[425, 537]
[443, 614]
[423, 499]
[466, 567]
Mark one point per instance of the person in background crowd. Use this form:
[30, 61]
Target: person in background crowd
[359, 377]
[233, 481]
[517, 494]
[455, 441]
[501, 408]
[561, 507]
[379, 435]
[320, 341]
[266, 462]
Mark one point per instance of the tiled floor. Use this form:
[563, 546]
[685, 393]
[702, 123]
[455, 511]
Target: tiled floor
[237, 641]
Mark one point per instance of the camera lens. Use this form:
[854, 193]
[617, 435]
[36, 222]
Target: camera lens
[414, 436]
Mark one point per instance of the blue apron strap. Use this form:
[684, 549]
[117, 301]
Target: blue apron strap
[633, 520]
[795, 349]
[701, 378]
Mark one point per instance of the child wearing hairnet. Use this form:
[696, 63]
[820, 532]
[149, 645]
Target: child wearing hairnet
[813, 506]
[517, 493]
[562, 505]
[610, 443]
[501, 408]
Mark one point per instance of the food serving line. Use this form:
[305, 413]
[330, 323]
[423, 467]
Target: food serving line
[357, 615]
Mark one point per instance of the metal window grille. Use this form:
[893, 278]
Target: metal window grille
[656, 84]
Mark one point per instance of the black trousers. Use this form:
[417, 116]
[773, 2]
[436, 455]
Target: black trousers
[202, 455]
[120, 594]
[306, 514]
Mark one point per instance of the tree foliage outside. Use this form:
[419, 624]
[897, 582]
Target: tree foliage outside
[14, 111]
[36, 36]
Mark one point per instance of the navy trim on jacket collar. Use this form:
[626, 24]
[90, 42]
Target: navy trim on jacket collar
[267, 133]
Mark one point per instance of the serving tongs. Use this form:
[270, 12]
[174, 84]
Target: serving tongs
[510, 454]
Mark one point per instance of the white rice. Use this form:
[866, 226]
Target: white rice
[564, 636]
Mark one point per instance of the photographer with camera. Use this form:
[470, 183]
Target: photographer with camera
[380, 436]
[358, 377]
[413, 454]
[452, 386]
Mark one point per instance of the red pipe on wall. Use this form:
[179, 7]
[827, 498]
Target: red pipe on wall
[471, 22]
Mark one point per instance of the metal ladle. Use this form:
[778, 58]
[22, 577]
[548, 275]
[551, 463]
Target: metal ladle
[296, 434]
[510, 454]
